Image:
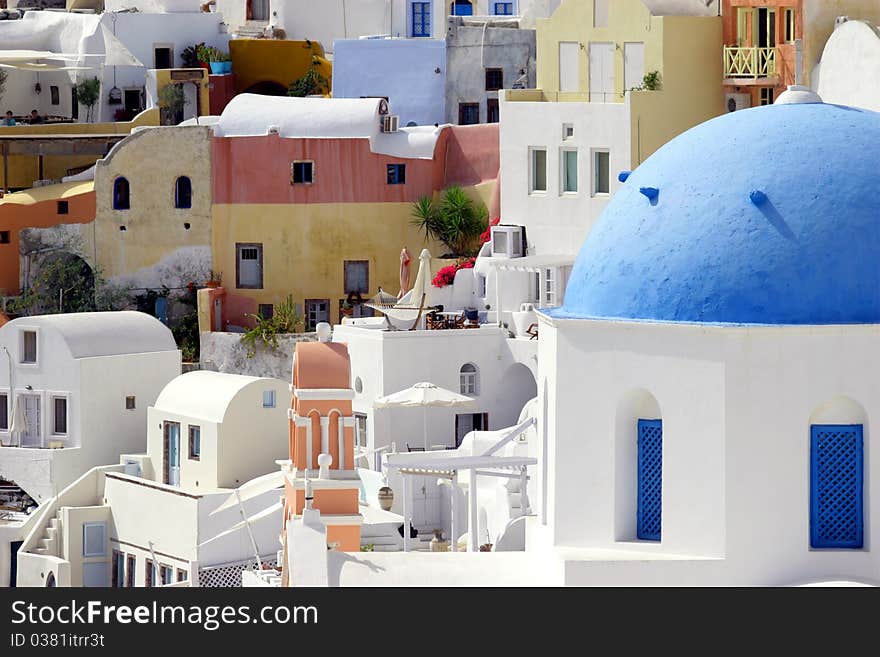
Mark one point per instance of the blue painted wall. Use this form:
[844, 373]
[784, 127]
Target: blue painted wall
[401, 69]
[764, 216]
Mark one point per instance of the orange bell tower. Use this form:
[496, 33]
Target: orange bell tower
[322, 427]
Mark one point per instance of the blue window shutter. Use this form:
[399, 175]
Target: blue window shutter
[836, 486]
[421, 19]
[650, 479]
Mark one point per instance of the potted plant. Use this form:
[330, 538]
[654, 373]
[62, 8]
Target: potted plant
[203, 56]
[190, 56]
[215, 60]
[227, 62]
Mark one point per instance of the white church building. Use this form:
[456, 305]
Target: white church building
[708, 387]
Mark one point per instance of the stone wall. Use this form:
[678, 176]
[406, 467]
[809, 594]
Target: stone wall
[224, 352]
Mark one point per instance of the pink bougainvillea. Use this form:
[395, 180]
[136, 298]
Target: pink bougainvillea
[446, 276]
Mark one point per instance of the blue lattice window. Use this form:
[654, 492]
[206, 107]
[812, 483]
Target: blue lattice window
[421, 19]
[836, 483]
[650, 479]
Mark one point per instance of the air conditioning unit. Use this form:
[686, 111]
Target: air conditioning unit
[508, 241]
[390, 123]
[738, 101]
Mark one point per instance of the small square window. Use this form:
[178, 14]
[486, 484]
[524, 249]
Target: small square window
[130, 403]
[567, 131]
[356, 276]
[396, 174]
[468, 113]
[63, 207]
[494, 79]
[266, 310]
[94, 539]
[268, 399]
[4, 237]
[302, 173]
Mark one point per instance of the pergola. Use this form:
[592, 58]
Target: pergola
[40, 145]
[530, 264]
[447, 464]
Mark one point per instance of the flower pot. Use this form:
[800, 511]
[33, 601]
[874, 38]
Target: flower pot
[216, 68]
[227, 67]
[386, 498]
[212, 284]
[205, 65]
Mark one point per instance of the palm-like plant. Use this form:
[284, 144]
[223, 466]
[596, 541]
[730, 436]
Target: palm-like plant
[457, 220]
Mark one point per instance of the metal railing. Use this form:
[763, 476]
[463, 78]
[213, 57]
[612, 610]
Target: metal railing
[749, 62]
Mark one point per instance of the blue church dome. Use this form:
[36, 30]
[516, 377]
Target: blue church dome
[764, 216]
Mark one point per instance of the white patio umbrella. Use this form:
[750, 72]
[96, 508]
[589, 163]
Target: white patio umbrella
[424, 394]
[19, 420]
[251, 489]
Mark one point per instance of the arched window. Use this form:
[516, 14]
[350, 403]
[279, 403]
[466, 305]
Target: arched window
[50, 581]
[183, 193]
[650, 477]
[468, 379]
[121, 199]
[462, 8]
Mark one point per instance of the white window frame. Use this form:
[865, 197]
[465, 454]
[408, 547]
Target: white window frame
[532, 189]
[594, 171]
[469, 382]
[85, 529]
[168, 46]
[360, 435]
[21, 332]
[563, 171]
[311, 180]
[272, 398]
[549, 287]
[52, 397]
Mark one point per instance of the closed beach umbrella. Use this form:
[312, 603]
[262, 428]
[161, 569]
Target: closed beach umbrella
[19, 420]
[405, 259]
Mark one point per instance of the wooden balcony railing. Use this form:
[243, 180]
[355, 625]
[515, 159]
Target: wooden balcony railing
[749, 62]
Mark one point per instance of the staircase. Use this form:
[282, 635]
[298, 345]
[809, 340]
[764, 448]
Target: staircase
[50, 542]
[252, 30]
[514, 499]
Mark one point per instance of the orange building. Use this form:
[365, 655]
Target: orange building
[322, 472]
[770, 44]
[40, 207]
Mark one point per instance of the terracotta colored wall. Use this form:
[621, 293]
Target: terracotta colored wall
[15, 217]
[348, 537]
[729, 19]
[250, 170]
[221, 89]
[299, 445]
[473, 154]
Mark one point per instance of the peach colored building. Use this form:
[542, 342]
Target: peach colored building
[312, 198]
[40, 207]
[322, 429]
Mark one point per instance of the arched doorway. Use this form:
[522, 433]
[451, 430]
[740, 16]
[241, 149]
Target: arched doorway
[50, 581]
[59, 282]
[267, 88]
[518, 388]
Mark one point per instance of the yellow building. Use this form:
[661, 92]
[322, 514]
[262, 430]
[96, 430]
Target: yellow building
[268, 66]
[52, 151]
[616, 80]
[153, 209]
